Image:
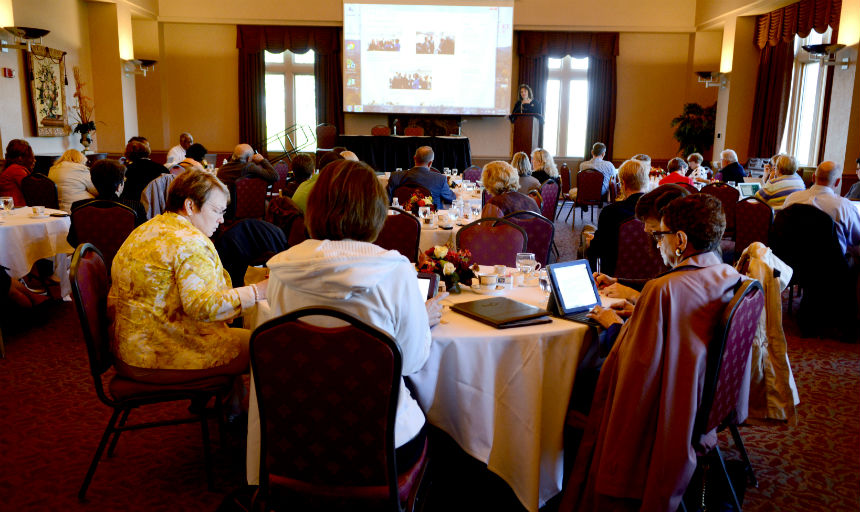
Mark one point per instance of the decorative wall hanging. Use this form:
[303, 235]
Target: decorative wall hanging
[47, 79]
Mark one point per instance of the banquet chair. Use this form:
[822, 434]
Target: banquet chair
[413, 131]
[282, 168]
[589, 185]
[335, 453]
[539, 230]
[472, 173]
[402, 233]
[104, 224]
[638, 256]
[493, 241]
[250, 198]
[39, 190]
[404, 192]
[753, 219]
[564, 193]
[727, 362]
[549, 192]
[380, 129]
[686, 186]
[90, 283]
[727, 195]
[326, 135]
[249, 242]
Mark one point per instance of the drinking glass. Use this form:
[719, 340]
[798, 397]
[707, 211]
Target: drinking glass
[446, 171]
[526, 262]
[454, 171]
[7, 204]
[543, 280]
[476, 211]
[423, 212]
[395, 202]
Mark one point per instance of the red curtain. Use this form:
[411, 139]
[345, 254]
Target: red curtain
[252, 40]
[535, 47]
[797, 19]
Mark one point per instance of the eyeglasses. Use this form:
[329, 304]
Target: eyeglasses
[658, 235]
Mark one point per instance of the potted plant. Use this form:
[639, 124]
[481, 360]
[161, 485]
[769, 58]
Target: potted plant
[694, 128]
[82, 112]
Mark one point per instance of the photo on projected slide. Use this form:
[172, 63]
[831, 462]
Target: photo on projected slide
[416, 80]
[430, 43]
[384, 44]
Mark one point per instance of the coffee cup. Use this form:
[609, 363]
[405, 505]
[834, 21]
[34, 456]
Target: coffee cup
[488, 280]
[38, 211]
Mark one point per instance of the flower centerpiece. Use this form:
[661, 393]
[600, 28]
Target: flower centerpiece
[82, 113]
[452, 265]
[418, 200]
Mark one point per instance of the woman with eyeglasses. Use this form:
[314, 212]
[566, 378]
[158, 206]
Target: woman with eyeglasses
[637, 450]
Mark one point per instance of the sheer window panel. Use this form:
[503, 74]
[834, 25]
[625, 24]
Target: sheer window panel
[577, 116]
[305, 104]
[551, 121]
[276, 121]
[304, 58]
[273, 57]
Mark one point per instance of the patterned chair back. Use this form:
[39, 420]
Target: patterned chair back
[472, 173]
[753, 221]
[413, 131]
[327, 398]
[539, 230]
[729, 197]
[564, 172]
[549, 192]
[689, 188]
[402, 233]
[380, 129]
[104, 224]
[39, 190]
[283, 170]
[404, 192]
[638, 256]
[326, 135]
[251, 198]
[493, 241]
[90, 284]
[589, 185]
[727, 356]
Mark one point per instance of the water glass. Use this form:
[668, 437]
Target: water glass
[7, 204]
[543, 280]
[476, 211]
[446, 171]
[526, 262]
[454, 171]
[395, 202]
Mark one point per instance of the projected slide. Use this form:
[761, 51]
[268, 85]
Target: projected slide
[435, 59]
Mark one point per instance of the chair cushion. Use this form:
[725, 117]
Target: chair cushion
[122, 388]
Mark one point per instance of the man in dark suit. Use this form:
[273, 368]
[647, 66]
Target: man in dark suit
[730, 169]
[422, 175]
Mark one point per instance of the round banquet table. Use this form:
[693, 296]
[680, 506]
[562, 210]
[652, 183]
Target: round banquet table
[502, 394]
[24, 240]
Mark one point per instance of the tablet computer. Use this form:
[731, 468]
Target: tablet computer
[428, 282]
[574, 291]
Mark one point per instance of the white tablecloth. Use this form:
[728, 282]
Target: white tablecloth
[24, 240]
[502, 394]
[431, 237]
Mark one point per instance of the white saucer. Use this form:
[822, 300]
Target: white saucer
[484, 291]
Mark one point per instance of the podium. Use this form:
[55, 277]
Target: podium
[526, 132]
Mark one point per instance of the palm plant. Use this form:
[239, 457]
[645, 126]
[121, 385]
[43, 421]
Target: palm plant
[694, 128]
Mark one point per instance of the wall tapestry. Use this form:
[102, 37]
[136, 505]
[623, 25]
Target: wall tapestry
[48, 78]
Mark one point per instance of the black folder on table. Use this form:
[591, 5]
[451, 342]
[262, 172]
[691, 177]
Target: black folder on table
[502, 313]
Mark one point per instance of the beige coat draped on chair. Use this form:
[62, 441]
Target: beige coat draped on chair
[773, 393]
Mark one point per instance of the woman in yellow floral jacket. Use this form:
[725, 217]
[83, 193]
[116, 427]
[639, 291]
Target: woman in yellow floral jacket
[171, 296]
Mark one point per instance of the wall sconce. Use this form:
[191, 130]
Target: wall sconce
[712, 79]
[825, 54]
[24, 37]
[137, 66]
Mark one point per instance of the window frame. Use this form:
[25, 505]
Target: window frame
[289, 69]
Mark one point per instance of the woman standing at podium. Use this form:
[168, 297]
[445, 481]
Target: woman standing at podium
[527, 104]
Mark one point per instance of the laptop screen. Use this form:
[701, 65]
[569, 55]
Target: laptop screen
[748, 189]
[574, 286]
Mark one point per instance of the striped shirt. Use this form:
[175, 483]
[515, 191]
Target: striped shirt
[776, 190]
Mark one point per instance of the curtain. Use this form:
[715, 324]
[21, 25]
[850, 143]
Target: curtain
[771, 99]
[252, 40]
[535, 47]
[797, 19]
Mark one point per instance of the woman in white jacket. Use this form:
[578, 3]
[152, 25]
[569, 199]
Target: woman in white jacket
[341, 267]
[72, 178]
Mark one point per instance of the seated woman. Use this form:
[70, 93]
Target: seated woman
[340, 267]
[637, 451]
[543, 166]
[109, 179]
[521, 163]
[72, 178]
[501, 181]
[677, 168]
[172, 297]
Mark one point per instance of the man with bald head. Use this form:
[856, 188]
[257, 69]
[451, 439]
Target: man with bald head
[244, 162]
[177, 153]
[424, 176]
[823, 194]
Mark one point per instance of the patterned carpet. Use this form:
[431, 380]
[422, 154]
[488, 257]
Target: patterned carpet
[51, 420]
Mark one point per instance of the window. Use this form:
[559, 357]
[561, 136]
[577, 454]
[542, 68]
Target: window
[566, 107]
[290, 101]
[802, 135]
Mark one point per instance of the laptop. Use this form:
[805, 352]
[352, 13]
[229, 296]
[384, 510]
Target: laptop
[574, 291]
[748, 189]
